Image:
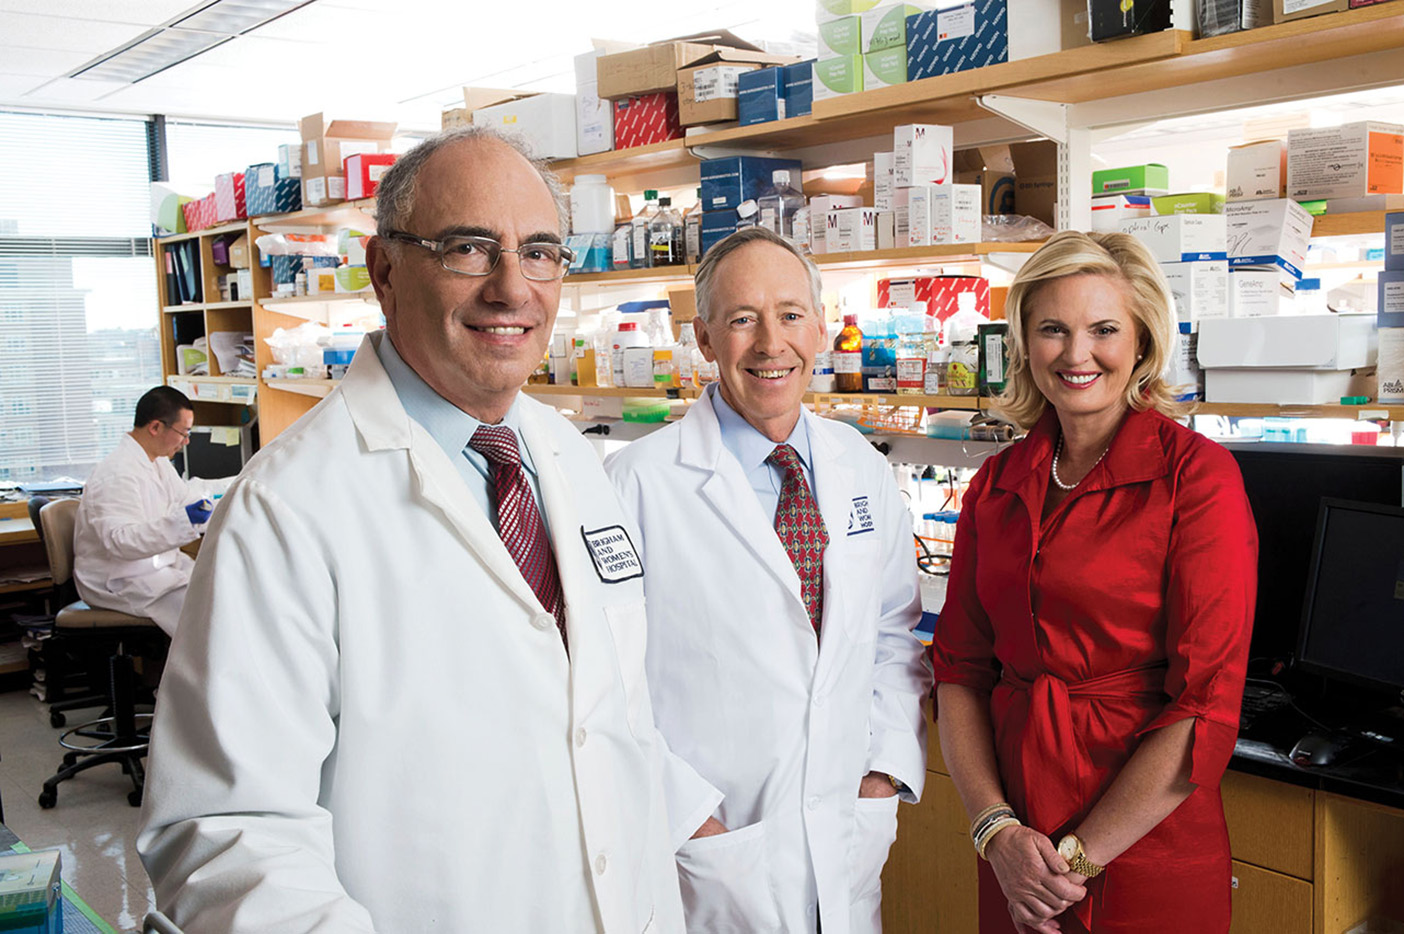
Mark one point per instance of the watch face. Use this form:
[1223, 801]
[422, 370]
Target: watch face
[1067, 847]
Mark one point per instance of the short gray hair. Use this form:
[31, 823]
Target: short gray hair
[394, 197]
[734, 242]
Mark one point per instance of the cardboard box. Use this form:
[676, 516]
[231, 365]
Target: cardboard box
[1257, 293]
[239, 254]
[728, 182]
[1390, 369]
[718, 225]
[1181, 238]
[992, 168]
[1182, 371]
[1256, 171]
[325, 146]
[594, 117]
[883, 181]
[646, 119]
[1285, 387]
[941, 214]
[267, 193]
[1131, 179]
[834, 77]
[841, 37]
[799, 88]
[708, 93]
[1284, 11]
[1116, 19]
[289, 160]
[826, 10]
[166, 205]
[1312, 342]
[884, 68]
[820, 207]
[1200, 290]
[230, 197]
[1192, 202]
[851, 230]
[973, 35]
[940, 293]
[655, 67]
[455, 117]
[1268, 233]
[363, 172]
[1390, 310]
[546, 122]
[1349, 161]
[1110, 211]
[199, 214]
[1036, 180]
[922, 154]
[885, 26]
[760, 96]
[1394, 241]
[1220, 17]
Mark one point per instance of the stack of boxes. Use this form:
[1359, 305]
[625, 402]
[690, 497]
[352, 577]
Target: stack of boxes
[920, 189]
[730, 188]
[775, 93]
[326, 147]
[980, 33]
[1391, 313]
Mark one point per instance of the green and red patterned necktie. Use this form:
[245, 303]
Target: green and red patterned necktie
[801, 530]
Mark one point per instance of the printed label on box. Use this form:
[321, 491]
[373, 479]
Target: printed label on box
[374, 172]
[715, 83]
[957, 23]
[316, 190]
[1290, 7]
[265, 177]
[336, 188]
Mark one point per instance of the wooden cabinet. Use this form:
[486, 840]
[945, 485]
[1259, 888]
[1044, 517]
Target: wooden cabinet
[1267, 902]
[1271, 824]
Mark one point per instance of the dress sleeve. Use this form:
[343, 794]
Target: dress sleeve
[1212, 584]
[962, 649]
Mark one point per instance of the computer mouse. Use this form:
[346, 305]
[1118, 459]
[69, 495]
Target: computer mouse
[1318, 749]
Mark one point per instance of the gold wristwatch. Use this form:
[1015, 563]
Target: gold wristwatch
[1070, 848]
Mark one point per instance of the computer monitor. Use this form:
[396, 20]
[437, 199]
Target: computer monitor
[1285, 485]
[215, 451]
[1353, 617]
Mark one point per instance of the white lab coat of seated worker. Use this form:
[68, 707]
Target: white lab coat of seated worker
[131, 525]
[368, 723]
[783, 724]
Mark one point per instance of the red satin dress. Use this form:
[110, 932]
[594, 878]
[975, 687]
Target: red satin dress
[1129, 608]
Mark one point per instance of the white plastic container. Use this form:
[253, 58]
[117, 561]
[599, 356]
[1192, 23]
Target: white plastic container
[591, 205]
[625, 336]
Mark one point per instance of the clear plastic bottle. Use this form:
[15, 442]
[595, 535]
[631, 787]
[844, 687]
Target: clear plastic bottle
[879, 351]
[622, 246]
[911, 352]
[848, 357]
[779, 204]
[639, 254]
[687, 348]
[962, 339]
[692, 231]
[665, 236]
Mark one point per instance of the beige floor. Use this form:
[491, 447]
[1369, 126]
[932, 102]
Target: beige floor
[93, 825]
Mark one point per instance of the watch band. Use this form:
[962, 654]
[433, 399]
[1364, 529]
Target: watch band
[1079, 862]
[897, 783]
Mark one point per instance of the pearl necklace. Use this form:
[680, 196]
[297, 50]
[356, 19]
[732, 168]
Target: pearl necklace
[1058, 481]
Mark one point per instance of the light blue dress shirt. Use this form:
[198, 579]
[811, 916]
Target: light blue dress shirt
[452, 427]
[751, 448]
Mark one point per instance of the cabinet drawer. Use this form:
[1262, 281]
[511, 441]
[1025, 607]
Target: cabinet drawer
[1270, 823]
[1267, 902]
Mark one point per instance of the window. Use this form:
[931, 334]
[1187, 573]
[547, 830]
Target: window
[200, 151]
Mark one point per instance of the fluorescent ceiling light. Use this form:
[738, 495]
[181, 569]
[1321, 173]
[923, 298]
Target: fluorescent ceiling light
[236, 17]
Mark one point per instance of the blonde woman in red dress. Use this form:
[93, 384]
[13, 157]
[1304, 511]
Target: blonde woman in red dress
[1091, 653]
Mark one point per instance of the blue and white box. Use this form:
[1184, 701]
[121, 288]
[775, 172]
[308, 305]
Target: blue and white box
[1394, 241]
[267, 192]
[760, 96]
[290, 160]
[1182, 370]
[1390, 312]
[718, 225]
[799, 88]
[977, 34]
[1181, 238]
[1267, 233]
[728, 182]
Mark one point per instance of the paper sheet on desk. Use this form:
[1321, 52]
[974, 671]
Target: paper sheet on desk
[229, 437]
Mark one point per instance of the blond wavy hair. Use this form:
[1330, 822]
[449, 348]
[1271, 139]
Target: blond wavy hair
[1117, 256]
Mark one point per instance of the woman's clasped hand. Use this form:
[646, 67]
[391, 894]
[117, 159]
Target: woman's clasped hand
[1035, 879]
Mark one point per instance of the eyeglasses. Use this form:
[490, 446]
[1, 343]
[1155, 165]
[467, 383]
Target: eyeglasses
[478, 256]
[183, 434]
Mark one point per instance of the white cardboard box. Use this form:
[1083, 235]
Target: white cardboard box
[1200, 290]
[940, 214]
[1182, 371]
[594, 118]
[883, 186]
[545, 121]
[1108, 211]
[852, 230]
[1268, 233]
[1253, 293]
[1316, 342]
[922, 154]
[1180, 238]
[1257, 171]
[1348, 161]
[1285, 387]
[819, 208]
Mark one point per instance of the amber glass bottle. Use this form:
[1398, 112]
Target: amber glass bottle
[848, 356]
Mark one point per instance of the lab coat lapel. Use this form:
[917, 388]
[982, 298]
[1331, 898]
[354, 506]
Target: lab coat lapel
[834, 490]
[728, 492]
[561, 515]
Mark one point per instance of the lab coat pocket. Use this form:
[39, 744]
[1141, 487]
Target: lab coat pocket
[628, 627]
[874, 830]
[725, 881]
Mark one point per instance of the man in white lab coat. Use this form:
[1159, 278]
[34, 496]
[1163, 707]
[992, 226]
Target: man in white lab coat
[408, 690]
[137, 512]
[782, 594]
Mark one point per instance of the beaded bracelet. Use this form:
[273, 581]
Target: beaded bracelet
[992, 830]
[988, 816]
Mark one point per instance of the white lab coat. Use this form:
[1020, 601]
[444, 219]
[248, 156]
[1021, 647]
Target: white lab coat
[783, 724]
[368, 722]
[131, 524]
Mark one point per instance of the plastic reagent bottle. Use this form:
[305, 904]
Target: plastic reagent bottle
[779, 205]
[665, 236]
[640, 255]
[848, 357]
[692, 231]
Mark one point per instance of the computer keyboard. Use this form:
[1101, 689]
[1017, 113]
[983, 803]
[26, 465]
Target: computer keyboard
[1259, 699]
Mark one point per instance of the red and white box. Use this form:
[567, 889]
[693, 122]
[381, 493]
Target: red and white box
[199, 214]
[646, 118]
[363, 171]
[939, 292]
[229, 197]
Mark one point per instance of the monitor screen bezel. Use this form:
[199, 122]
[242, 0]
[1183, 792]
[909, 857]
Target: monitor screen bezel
[1309, 602]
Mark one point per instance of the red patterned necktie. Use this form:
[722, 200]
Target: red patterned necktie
[518, 522]
[801, 530]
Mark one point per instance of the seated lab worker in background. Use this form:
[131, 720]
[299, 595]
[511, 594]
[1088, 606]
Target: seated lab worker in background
[136, 513]
[782, 593]
[408, 691]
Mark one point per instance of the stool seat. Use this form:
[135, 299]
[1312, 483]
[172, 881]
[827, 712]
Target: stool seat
[78, 615]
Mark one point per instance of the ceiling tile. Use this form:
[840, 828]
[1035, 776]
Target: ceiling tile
[49, 63]
[12, 87]
[57, 32]
[140, 12]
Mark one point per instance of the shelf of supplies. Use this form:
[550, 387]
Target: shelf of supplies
[230, 227]
[274, 302]
[1265, 410]
[229, 380]
[1347, 225]
[941, 401]
[670, 154]
[204, 306]
[317, 388]
[548, 389]
[21, 586]
[344, 214]
[657, 274]
[917, 255]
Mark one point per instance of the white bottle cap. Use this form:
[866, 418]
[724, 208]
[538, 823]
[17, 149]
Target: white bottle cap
[780, 177]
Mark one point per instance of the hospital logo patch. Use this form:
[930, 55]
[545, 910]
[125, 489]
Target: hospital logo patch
[613, 554]
[860, 516]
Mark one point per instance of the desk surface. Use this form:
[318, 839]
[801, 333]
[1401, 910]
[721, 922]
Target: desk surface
[78, 918]
[17, 530]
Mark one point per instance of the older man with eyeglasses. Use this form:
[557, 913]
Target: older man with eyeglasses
[408, 694]
[137, 512]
